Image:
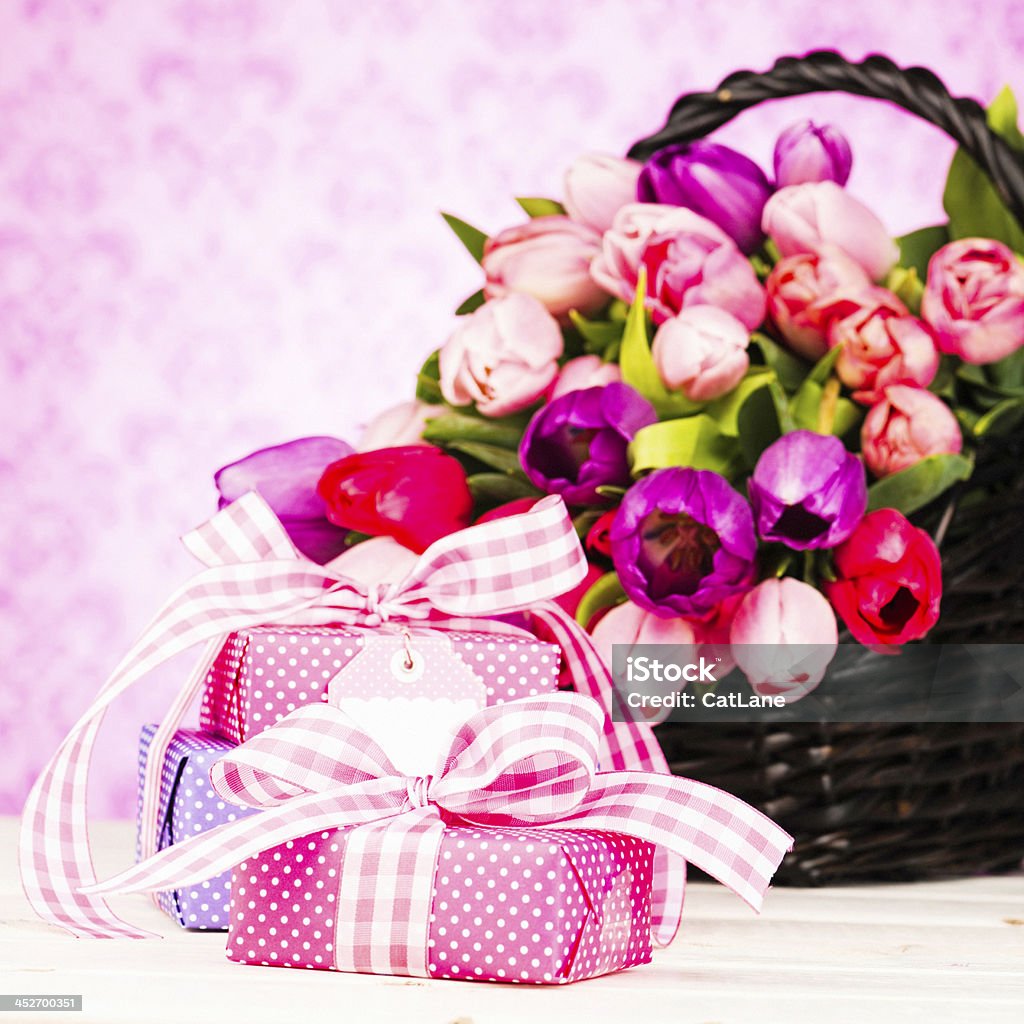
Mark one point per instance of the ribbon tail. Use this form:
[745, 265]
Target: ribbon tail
[386, 888]
[149, 810]
[719, 833]
[628, 745]
[220, 849]
[55, 857]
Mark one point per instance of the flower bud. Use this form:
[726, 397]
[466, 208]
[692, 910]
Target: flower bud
[597, 187]
[784, 636]
[701, 352]
[907, 425]
[548, 258]
[808, 152]
[715, 181]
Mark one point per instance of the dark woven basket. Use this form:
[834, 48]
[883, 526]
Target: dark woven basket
[889, 801]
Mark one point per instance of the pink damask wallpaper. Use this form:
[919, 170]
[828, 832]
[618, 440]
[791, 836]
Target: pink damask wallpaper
[219, 229]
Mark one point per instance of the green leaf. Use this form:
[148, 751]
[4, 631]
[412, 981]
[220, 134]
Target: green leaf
[913, 488]
[822, 369]
[758, 421]
[583, 521]
[501, 459]
[537, 207]
[638, 369]
[1008, 373]
[354, 537]
[1001, 419]
[472, 238]
[696, 442]
[637, 364]
[970, 199]
[726, 410]
[474, 302]
[604, 593]
[918, 247]
[806, 406]
[1002, 116]
[458, 426]
[610, 490]
[776, 560]
[497, 488]
[783, 415]
[789, 369]
[980, 380]
[427, 387]
[905, 284]
[600, 337]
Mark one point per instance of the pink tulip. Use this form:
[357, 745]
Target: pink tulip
[907, 425]
[882, 344]
[597, 187]
[617, 267]
[503, 357]
[701, 352]
[784, 637]
[377, 560]
[807, 218]
[806, 152]
[548, 258]
[584, 372]
[689, 261]
[401, 424]
[629, 624]
[806, 292]
[974, 300]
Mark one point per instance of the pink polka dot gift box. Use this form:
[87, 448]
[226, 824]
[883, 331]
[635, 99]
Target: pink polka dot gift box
[511, 858]
[262, 674]
[523, 905]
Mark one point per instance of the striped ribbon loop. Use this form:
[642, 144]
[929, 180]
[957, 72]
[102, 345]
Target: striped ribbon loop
[533, 762]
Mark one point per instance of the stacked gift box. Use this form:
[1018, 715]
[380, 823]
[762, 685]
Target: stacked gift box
[260, 676]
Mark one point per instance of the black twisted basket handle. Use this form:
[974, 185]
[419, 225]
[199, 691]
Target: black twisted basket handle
[917, 90]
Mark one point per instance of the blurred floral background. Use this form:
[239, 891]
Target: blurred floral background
[219, 230]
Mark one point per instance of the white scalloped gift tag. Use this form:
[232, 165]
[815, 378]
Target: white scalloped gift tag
[408, 690]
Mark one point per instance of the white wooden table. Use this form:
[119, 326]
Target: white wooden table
[931, 952]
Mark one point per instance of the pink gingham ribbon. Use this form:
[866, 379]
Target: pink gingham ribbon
[255, 576]
[527, 763]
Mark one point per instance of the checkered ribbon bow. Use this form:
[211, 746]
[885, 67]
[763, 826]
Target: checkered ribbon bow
[254, 576]
[531, 762]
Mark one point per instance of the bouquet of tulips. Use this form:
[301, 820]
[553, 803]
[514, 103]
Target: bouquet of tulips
[741, 385]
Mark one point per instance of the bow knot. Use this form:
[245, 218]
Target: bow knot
[377, 611]
[417, 791]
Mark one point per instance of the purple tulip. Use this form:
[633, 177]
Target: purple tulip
[682, 542]
[579, 442]
[808, 491]
[712, 180]
[808, 152]
[286, 476]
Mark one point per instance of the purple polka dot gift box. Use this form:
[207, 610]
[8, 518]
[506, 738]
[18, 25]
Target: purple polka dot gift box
[188, 806]
[264, 673]
[525, 905]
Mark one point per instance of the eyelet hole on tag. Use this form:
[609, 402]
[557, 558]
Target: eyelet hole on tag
[407, 665]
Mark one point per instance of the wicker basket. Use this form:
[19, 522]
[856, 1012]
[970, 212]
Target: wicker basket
[889, 801]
